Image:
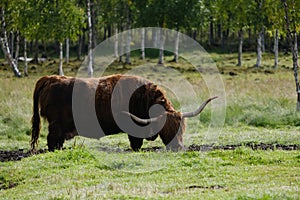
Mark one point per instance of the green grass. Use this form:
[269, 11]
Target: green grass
[82, 173]
[260, 108]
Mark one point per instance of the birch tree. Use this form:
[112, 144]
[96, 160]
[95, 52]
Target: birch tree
[176, 47]
[260, 27]
[276, 48]
[275, 25]
[25, 58]
[291, 8]
[240, 22]
[60, 67]
[186, 12]
[62, 19]
[90, 40]
[161, 46]
[143, 34]
[116, 43]
[259, 49]
[240, 48]
[5, 45]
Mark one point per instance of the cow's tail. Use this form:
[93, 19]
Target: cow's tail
[35, 120]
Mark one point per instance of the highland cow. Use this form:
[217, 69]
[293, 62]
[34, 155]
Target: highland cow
[54, 100]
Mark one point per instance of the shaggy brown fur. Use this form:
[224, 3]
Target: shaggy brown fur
[52, 100]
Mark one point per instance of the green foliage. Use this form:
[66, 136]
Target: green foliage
[46, 20]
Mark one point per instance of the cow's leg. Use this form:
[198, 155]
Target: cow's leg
[152, 138]
[135, 143]
[55, 137]
[71, 134]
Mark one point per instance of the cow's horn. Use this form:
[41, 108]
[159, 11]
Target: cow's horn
[142, 121]
[199, 110]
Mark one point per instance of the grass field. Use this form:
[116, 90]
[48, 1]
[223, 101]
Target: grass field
[260, 108]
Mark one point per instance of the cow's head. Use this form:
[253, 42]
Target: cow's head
[174, 125]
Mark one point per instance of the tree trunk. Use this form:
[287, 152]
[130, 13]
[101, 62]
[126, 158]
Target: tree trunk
[155, 39]
[240, 53]
[176, 47]
[201, 35]
[12, 42]
[294, 48]
[17, 47]
[128, 39]
[121, 48]
[161, 56]
[161, 47]
[36, 52]
[80, 41]
[116, 46]
[292, 38]
[194, 35]
[5, 47]
[25, 58]
[60, 70]
[128, 49]
[276, 49]
[90, 48]
[93, 21]
[222, 39]
[142, 44]
[263, 42]
[67, 50]
[211, 32]
[104, 33]
[219, 31]
[109, 30]
[259, 50]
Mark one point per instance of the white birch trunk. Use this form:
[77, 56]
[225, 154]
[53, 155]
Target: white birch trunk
[143, 44]
[276, 49]
[128, 49]
[90, 49]
[116, 52]
[176, 47]
[5, 47]
[61, 73]
[161, 56]
[259, 50]
[240, 51]
[67, 50]
[25, 58]
[12, 42]
[161, 48]
[122, 48]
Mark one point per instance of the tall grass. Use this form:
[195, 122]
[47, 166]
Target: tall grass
[257, 97]
[15, 107]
